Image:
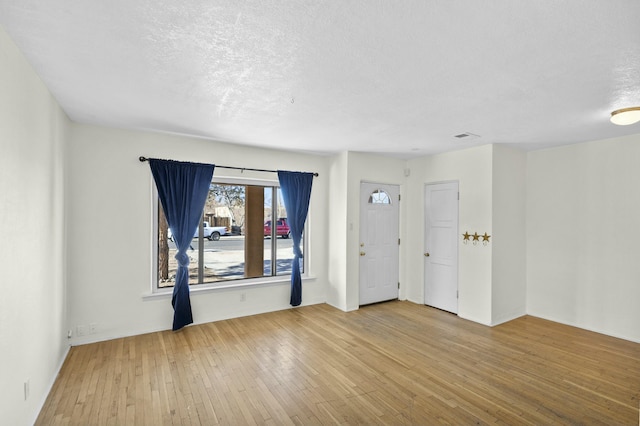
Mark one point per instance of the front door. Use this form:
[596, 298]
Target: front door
[441, 246]
[379, 251]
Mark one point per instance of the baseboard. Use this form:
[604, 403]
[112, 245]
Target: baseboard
[617, 336]
[52, 381]
[103, 337]
[508, 318]
[417, 302]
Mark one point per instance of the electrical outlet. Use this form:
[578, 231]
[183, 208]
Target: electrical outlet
[243, 296]
[93, 327]
[26, 390]
[81, 330]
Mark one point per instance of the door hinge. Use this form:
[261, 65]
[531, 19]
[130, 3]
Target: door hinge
[457, 294]
[398, 284]
[458, 196]
[398, 197]
[398, 241]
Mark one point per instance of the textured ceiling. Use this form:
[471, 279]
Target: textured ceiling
[391, 77]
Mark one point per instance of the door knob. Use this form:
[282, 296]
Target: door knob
[362, 253]
[427, 255]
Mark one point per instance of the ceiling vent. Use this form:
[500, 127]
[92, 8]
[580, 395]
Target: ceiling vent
[467, 136]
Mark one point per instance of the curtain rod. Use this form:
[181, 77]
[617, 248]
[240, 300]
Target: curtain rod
[143, 159]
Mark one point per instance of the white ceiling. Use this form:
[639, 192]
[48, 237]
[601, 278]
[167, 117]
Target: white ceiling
[393, 77]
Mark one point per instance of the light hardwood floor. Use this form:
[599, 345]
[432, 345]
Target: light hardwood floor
[391, 363]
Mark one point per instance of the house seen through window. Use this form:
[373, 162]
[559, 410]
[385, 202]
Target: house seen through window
[235, 240]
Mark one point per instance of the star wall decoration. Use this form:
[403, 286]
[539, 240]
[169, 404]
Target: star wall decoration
[475, 238]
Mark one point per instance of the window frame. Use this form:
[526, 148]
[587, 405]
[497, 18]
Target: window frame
[241, 282]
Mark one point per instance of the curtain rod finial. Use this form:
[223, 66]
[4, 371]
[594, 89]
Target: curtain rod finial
[142, 159]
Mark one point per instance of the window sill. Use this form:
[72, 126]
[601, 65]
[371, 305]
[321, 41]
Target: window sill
[212, 288]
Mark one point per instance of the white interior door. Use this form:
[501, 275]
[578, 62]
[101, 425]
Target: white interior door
[379, 251]
[441, 246]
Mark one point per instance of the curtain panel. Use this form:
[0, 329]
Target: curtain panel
[296, 194]
[182, 189]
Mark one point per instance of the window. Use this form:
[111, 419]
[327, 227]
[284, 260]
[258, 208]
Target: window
[235, 240]
[379, 197]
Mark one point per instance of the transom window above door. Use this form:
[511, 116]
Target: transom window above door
[379, 197]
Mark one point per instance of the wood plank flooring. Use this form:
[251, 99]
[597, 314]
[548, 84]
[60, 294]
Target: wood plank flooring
[393, 363]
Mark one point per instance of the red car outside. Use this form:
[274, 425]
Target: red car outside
[282, 228]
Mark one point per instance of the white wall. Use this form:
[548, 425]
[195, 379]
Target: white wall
[33, 340]
[472, 168]
[508, 241]
[337, 286]
[583, 234]
[110, 231]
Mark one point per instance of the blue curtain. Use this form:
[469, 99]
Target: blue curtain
[182, 189]
[296, 192]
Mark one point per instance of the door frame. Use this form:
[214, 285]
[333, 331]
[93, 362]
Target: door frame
[360, 240]
[456, 250]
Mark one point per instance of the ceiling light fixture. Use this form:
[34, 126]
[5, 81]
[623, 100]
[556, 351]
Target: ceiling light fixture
[625, 116]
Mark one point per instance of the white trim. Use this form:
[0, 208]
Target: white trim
[456, 268]
[197, 289]
[158, 292]
[582, 327]
[52, 382]
[154, 237]
[244, 181]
